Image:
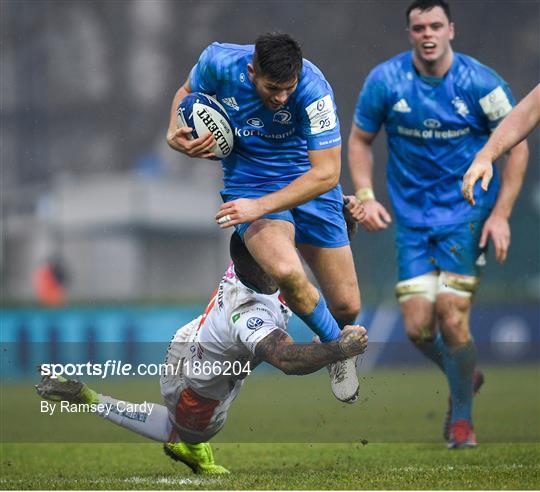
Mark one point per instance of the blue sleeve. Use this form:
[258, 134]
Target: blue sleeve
[371, 107]
[319, 122]
[494, 97]
[203, 76]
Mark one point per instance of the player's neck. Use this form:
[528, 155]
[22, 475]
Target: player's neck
[439, 68]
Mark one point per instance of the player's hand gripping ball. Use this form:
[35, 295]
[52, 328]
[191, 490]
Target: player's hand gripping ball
[204, 114]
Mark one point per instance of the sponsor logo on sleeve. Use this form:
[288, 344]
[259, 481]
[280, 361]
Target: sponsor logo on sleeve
[496, 104]
[322, 116]
[254, 323]
[235, 317]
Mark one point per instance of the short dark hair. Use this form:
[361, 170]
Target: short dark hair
[277, 56]
[247, 269]
[424, 5]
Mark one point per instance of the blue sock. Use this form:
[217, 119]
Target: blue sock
[321, 322]
[434, 350]
[459, 364]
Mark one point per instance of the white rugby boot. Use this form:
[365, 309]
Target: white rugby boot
[344, 380]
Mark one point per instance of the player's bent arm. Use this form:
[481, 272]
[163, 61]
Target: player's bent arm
[322, 177]
[182, 92]
[279, 350]
[361, 167]
[361, 157]
[180, 139]
[512, 179]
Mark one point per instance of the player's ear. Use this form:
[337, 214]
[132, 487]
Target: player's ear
[452, 31]
[251, 72]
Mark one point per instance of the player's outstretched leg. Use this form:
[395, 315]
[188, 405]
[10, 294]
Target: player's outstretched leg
[199, 457]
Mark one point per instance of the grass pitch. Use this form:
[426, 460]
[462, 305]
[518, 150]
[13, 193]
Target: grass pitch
[390, 440]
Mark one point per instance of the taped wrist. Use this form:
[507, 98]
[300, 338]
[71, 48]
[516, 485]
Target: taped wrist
[365, 194]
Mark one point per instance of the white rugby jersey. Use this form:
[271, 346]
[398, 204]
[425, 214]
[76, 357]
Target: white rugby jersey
[220, 344]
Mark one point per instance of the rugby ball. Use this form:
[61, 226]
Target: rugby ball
[205, 114]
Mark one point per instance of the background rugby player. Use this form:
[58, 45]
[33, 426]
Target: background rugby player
[438, 108]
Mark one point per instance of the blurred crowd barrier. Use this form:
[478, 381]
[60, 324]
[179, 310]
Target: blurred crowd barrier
[139, 335]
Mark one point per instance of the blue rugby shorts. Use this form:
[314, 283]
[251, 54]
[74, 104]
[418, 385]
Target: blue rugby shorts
[450, 248]
[319, 222]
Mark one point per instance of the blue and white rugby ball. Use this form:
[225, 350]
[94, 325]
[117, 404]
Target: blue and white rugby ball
[204, 114]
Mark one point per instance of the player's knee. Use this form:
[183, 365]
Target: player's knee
[420, 329]
[287, 276]
[346, 309]
[453, 316]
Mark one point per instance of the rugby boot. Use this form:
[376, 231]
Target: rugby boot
[344, 380]
[198, 457]
[461, 435]
[478, 381]
[62, 389]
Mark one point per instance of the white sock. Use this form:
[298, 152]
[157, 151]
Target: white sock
[147, 419]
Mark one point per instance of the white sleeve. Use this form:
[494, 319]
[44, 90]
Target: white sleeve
[251, 324]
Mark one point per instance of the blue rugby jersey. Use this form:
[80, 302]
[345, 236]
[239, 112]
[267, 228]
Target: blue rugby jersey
[434, 130]
[270, 147]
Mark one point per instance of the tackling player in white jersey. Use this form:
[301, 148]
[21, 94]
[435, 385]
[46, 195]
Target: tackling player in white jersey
[244, 324]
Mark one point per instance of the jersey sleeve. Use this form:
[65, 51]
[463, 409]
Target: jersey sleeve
[250, 324]
[494, 97]
[371, 108]
[319, 121]
[204, 75]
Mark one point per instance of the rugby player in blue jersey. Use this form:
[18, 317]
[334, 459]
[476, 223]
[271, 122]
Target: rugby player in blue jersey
[438, 108]
[281, 180]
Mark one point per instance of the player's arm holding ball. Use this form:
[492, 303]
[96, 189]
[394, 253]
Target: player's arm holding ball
[180, 139]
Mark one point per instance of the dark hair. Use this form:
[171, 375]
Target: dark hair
[278, 57]
[424, 5]
[247, 269]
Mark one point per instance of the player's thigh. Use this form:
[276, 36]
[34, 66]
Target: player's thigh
[453, 313]
[320, 221]
[271, 243]
[414, 253]
[197, 418]
[334, 270]
[419, 318]
[453, 306]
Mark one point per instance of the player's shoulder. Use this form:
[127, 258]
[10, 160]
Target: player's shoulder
[229, 49]
[224, 56]
[312, 81]
[472, 75]
[392, 70]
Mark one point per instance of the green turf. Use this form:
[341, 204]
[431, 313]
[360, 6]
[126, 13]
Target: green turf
[392, 439]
